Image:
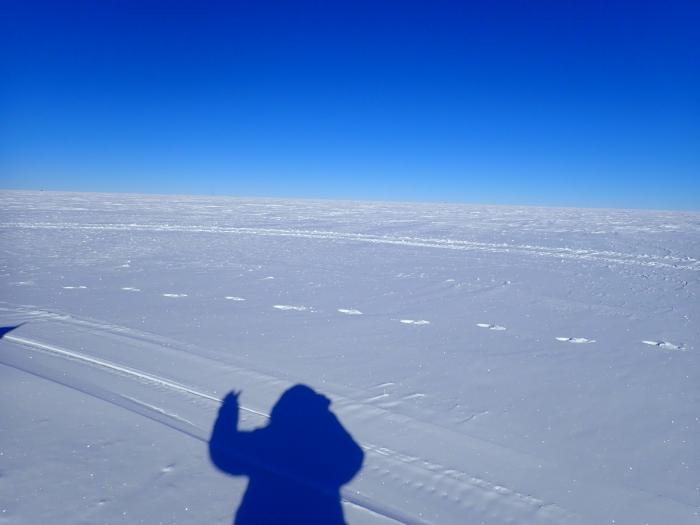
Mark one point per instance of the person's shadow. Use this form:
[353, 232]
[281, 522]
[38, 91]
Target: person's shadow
[296, 464]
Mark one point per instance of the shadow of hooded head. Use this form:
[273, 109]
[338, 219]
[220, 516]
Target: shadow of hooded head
[295, 465]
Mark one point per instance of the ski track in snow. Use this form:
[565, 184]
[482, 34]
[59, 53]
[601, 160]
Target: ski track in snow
[388, 467]
[598, 256]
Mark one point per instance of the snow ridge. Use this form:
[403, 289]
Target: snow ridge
[598, 256]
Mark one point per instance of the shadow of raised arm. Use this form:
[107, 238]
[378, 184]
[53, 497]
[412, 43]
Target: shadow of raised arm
[227, 443]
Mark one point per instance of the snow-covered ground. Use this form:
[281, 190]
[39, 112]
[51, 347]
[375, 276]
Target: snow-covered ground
[498, 365]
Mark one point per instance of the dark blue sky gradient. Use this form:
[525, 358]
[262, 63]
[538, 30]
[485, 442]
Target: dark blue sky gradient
[555, 103]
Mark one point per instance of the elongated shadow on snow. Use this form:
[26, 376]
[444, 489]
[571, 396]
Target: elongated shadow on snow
[4, 330]
[295, 465]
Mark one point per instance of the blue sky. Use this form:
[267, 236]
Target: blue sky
[553, 103]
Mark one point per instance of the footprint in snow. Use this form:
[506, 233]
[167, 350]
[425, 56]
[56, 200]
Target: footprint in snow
[665, 345]
[413, 321]
[349, 311]
[496, 327]
[291, 307]
[130, 289]
[234, 298]
[80, 287]
[175, 295]
[576, 340]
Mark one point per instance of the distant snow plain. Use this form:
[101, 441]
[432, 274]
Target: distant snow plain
[497, 365]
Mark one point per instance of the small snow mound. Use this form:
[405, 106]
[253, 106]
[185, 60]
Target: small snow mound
[288, 307]
[349, 311]
[575, 340]
[665, 345]
[417, 395]
[496, 327]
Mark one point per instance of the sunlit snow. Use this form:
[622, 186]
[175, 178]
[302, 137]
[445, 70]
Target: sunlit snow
[496, 365]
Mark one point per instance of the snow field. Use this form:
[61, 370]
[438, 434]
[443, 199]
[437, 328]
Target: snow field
[497, 365]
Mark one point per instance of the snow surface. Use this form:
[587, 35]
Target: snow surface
[442, 334]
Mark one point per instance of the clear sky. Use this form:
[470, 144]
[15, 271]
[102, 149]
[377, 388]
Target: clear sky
[575, 103]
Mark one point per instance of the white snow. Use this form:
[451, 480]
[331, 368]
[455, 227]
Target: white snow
[349, 311]
[496, 327]
[290, 307]
[575, 340]
[108, 397]
[665, 345]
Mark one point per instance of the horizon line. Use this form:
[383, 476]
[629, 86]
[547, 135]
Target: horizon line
[348, 199]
